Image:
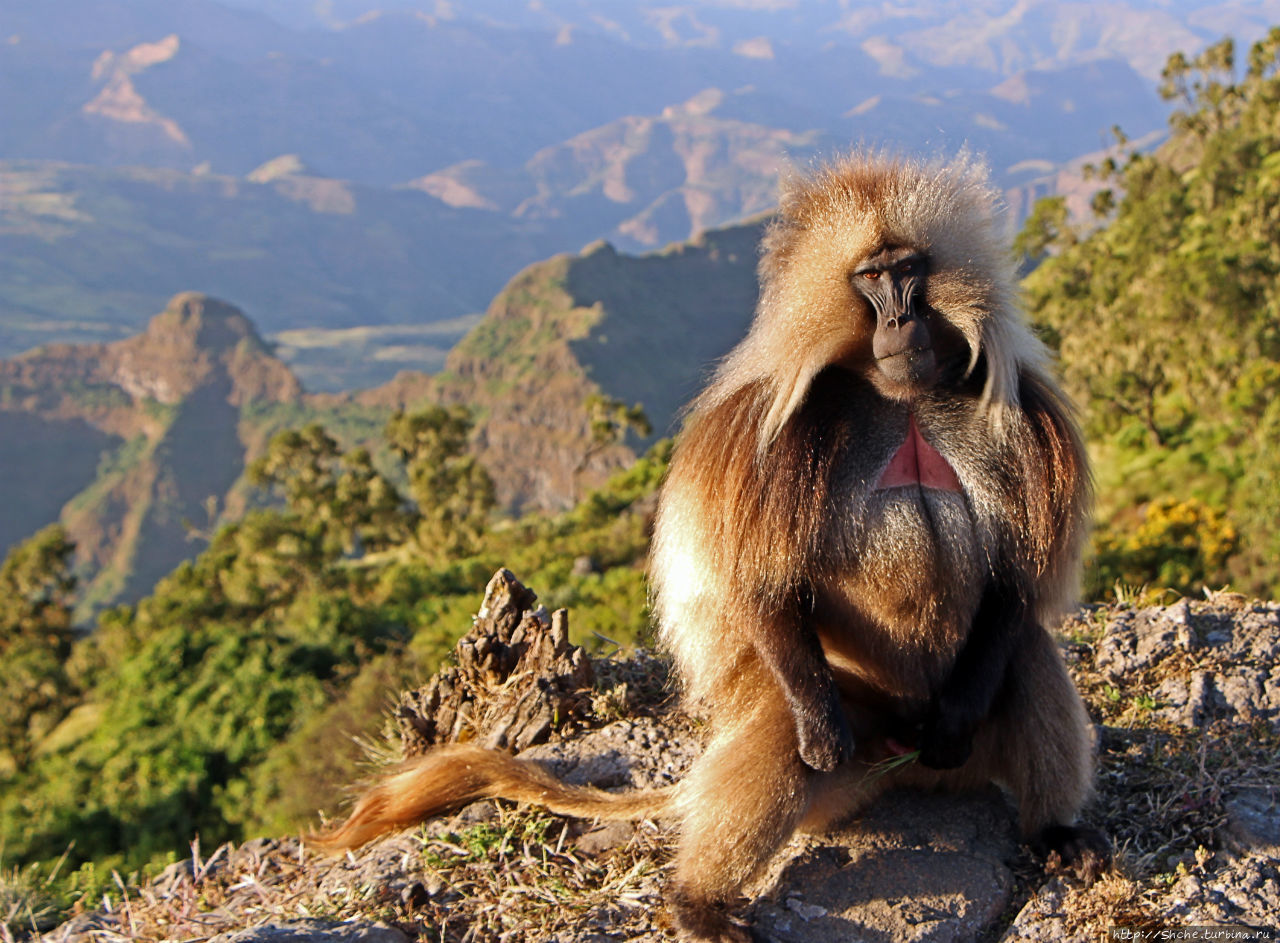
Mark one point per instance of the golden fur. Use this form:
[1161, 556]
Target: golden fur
[773, 545]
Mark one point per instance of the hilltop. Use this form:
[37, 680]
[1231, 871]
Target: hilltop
[137, 443]
[128, 442]
[639, 329]
[1186, 702]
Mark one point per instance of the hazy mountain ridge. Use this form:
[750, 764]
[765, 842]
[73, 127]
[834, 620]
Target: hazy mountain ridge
[381, 101]
[140, 434]
[419, 83]
[644, 180]
[992, 34]
[436, 151]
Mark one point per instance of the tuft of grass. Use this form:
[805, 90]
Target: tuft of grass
[520, 872]
[29, 900]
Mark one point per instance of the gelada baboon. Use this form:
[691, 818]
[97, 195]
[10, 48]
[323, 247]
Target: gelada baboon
[872, 513]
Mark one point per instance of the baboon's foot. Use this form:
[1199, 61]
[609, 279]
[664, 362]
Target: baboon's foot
[702, 921]
[1074, 849]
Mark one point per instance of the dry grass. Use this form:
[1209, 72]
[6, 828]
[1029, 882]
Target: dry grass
[1160, 786]
[633, 686]
[515, 874]
[519, 876]
[232, 889]
[27, 899]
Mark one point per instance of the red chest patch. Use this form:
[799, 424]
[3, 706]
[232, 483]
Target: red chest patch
[918, 463]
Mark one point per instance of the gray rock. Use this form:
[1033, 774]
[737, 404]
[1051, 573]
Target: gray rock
[315, 931]
[1243, 893]
[638, 753]
[914, 868]
[1041, 920]
[603, 836]
[1239, 682]
[1139, 639]
[1253, 821]
[389, 864]
[514, 680]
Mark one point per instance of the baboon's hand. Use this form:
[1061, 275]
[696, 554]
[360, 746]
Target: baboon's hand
[825, 738]
[947, 738]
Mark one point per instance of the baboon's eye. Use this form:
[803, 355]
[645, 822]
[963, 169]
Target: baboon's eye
[906, 268]
[871, 276]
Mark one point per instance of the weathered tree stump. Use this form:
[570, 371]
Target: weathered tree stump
[515, 681]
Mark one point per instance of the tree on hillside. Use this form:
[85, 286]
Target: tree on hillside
[1046, 228]
[36, 589]
[343, 493]
[453, 492]
[611, 420]
[1167, 318]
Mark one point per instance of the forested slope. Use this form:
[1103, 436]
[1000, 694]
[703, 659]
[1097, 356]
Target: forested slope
[1167, 318]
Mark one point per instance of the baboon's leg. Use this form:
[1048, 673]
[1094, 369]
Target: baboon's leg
[739, 803]
[1039, 744]
[1042, 743]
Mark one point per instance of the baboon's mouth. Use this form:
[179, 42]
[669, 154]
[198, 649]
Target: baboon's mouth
[914, 368]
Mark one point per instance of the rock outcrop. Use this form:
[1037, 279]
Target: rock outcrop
[516, 677]
[129, 442]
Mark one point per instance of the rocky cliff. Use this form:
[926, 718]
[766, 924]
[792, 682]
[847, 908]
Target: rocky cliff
[126, 441]
[131, 442]
[641, 329]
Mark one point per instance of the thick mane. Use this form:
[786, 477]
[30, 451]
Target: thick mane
[951, 211]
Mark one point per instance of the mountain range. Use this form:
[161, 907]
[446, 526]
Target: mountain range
[139, 445]
[383, 96]
[362, 180]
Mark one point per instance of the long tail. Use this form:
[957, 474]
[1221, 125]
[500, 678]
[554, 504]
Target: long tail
[450, 777]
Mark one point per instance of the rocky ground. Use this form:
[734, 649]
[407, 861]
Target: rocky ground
[1187, 702]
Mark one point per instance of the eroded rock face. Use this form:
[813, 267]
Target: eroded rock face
[516, 680]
